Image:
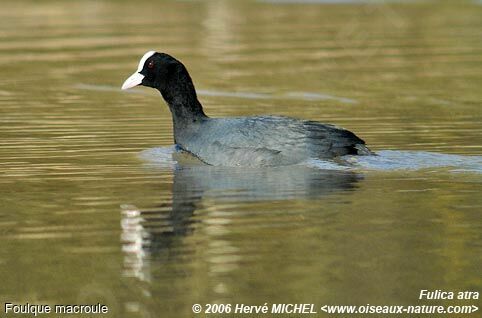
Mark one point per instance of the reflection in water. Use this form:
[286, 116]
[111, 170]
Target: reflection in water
[152, 234]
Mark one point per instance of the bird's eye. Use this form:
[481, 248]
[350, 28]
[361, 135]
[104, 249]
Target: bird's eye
[150, 64]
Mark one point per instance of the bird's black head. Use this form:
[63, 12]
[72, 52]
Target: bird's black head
[170, 77]
[154, 70]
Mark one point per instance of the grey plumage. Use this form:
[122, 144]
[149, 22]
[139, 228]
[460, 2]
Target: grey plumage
[266, 141]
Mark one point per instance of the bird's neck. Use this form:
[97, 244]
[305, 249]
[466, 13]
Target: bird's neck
[180, 96]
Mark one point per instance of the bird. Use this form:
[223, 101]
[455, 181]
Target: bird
[253, 141]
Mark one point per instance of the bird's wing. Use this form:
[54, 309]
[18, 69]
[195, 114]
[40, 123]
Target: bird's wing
[273, 140]
[329, 140]
[294, 137]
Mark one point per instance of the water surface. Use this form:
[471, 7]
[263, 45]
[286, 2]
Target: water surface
[85, 217]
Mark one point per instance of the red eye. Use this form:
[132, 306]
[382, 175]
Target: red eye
[150, 64]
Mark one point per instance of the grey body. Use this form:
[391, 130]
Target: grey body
[264, 141]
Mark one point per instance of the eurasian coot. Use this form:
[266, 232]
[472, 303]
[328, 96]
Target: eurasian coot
[238, 141]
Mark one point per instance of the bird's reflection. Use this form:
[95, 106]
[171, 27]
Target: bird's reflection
[154, 234]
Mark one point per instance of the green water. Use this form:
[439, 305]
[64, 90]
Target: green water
[85, 220]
